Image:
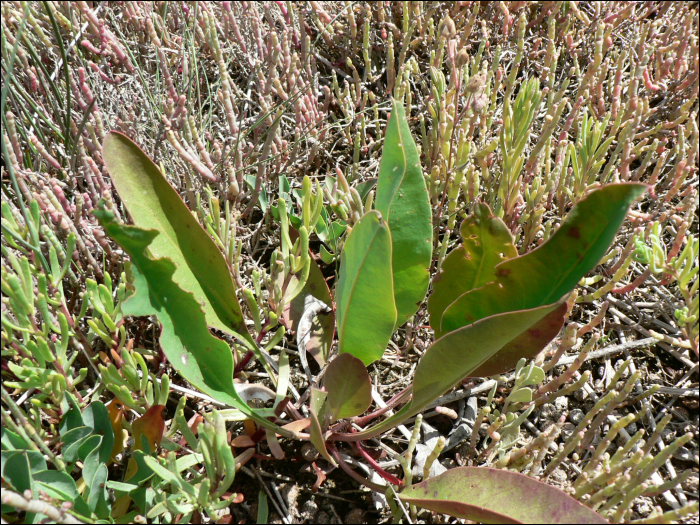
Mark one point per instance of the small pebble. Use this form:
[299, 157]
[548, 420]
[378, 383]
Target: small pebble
[632, 428]
[567, 430]
[580, 395]
[601, 371]
[323, 517]
[692, 484]
[561, 403]
[355, 516]
[545, 424]
[683, 454]
[576, 416]
[643, 507]
[448, 463]
[558, 475]
[548, 411]
[309, 510]
[668, 435]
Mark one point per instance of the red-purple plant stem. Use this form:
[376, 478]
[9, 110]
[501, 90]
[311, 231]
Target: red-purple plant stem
[354, 475]
[383, 473]
[390, 404]
[242, 364]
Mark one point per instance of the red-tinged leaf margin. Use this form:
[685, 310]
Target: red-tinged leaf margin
[489, 495]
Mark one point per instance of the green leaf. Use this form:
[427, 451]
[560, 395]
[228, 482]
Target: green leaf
[96, 417]
[88, 446]
[551, 271]
[403, 201]
[527, 344]
[143, 471]
[16, 471]
[91, 466]
[464, 351]
[171, 477]
[364, 187]
[488, 495]
[62, 486]
[11, 441]
[72, 440]
[194, 353]
[489, 344]
[349, 387]
[97, 496]
[486, 241]
[263, 511]
[152, 202]
[365, 294]
[73, 417]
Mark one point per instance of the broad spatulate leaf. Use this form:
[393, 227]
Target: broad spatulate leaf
[365, 294]
[486, 242]
[152, 202]
[551, 271]
[198, 356]
[349, 387]
[403, 201]
[488, 495]
[460, 353]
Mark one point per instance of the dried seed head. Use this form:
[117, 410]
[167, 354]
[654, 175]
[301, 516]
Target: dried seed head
[462, 58]
[448, 28]
[479, 103]
[476, 83]
[233, 191]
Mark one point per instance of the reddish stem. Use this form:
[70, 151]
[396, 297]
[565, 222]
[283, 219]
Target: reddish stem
[240, 366]
[390, 404]
[383, 473]
[354, 475]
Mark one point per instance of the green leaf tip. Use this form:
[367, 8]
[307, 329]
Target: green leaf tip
[403, 200]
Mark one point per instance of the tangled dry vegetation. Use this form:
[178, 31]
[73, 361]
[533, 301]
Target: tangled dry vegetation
[524, 106]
